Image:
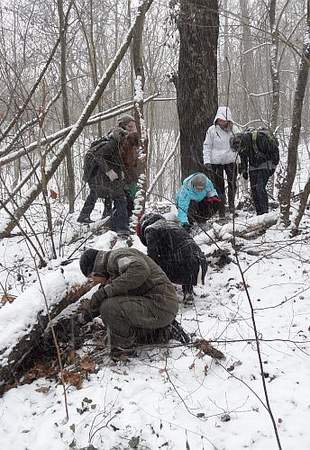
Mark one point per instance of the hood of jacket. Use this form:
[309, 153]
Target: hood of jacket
[223, 113]
[147, 219]
[101, 262]
[118, 134]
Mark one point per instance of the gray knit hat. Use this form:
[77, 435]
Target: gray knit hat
[87, 261]
[124, 120]
[199, 180]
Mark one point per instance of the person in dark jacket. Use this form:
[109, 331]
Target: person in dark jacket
[135, 296]
[259, 153]
[174, 250]
[105, 173]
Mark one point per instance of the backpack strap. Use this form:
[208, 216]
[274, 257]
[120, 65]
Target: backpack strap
[254, 141]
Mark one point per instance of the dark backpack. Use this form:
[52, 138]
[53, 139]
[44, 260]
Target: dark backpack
[90, 164]
[265, 146]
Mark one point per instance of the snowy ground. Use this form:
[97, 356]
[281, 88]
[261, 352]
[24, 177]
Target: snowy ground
[172, 399]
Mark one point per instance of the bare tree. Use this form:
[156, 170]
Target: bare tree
[292, 151]
[196, 83]
[65, 104]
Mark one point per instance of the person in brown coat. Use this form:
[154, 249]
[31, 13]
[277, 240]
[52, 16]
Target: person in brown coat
[106, 175]
[135, 296]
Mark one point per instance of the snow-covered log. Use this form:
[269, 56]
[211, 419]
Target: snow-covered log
[238, 229]
[22, 322]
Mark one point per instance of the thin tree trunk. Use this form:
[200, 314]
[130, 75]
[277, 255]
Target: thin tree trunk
[274, 67]
[286, 188]
[65, 106]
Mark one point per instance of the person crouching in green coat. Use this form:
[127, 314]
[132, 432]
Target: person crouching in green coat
[135, 296]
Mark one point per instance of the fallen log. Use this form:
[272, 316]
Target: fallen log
[23, 322]
[246, 229]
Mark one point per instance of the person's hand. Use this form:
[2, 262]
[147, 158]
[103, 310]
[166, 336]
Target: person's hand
[98, 297]
[245, 175]
[186, 226]
[209, 200]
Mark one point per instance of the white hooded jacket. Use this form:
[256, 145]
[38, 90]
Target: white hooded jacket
[216, 147]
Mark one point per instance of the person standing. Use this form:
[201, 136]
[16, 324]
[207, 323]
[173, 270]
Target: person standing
[218, 157]
[259, 154]
[118, 151]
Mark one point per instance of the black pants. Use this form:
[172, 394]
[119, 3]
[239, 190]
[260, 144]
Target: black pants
[90, 204]
[119, 211]
[200, 211]
[216, 175]
[258, 181]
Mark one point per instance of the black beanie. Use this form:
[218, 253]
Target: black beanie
[87, 261]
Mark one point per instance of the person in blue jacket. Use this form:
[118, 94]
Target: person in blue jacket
[197, 200]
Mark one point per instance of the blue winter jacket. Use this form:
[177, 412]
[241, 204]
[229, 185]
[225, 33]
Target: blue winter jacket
[188, 193]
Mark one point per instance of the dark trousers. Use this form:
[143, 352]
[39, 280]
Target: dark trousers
[258, 182]
[119, 217]
[216, 175]
[200, 211]
[119, 214]
[89, 203]
[124, 314]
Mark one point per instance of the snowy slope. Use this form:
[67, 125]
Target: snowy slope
[172, 399]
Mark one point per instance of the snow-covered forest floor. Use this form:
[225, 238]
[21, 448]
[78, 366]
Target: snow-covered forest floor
[170, 398]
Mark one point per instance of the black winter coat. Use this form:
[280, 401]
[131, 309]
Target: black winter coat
[175, 251]
[265, 154]
[103, 166]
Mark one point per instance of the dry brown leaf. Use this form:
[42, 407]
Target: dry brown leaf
[73, 378]
[7, 298]
[205, 348]
[87, 364]
[53, 194]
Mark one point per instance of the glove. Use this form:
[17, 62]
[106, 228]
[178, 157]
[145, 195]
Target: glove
[212, 200]
[98, 297]
[186, 226]
[245, 175]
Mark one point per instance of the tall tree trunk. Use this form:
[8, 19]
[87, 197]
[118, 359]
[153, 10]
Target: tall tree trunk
[286, 188]
[274, 66]
[137, 61]
[196, 84]
[65, 106]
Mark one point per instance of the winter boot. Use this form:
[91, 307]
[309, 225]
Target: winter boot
[84, 219]
[118, 354]
[107, 208]
[188, 297]
[177, 333]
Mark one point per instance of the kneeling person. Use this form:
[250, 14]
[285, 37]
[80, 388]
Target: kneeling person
[135, 296]
[197, 200]
[174, 250]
